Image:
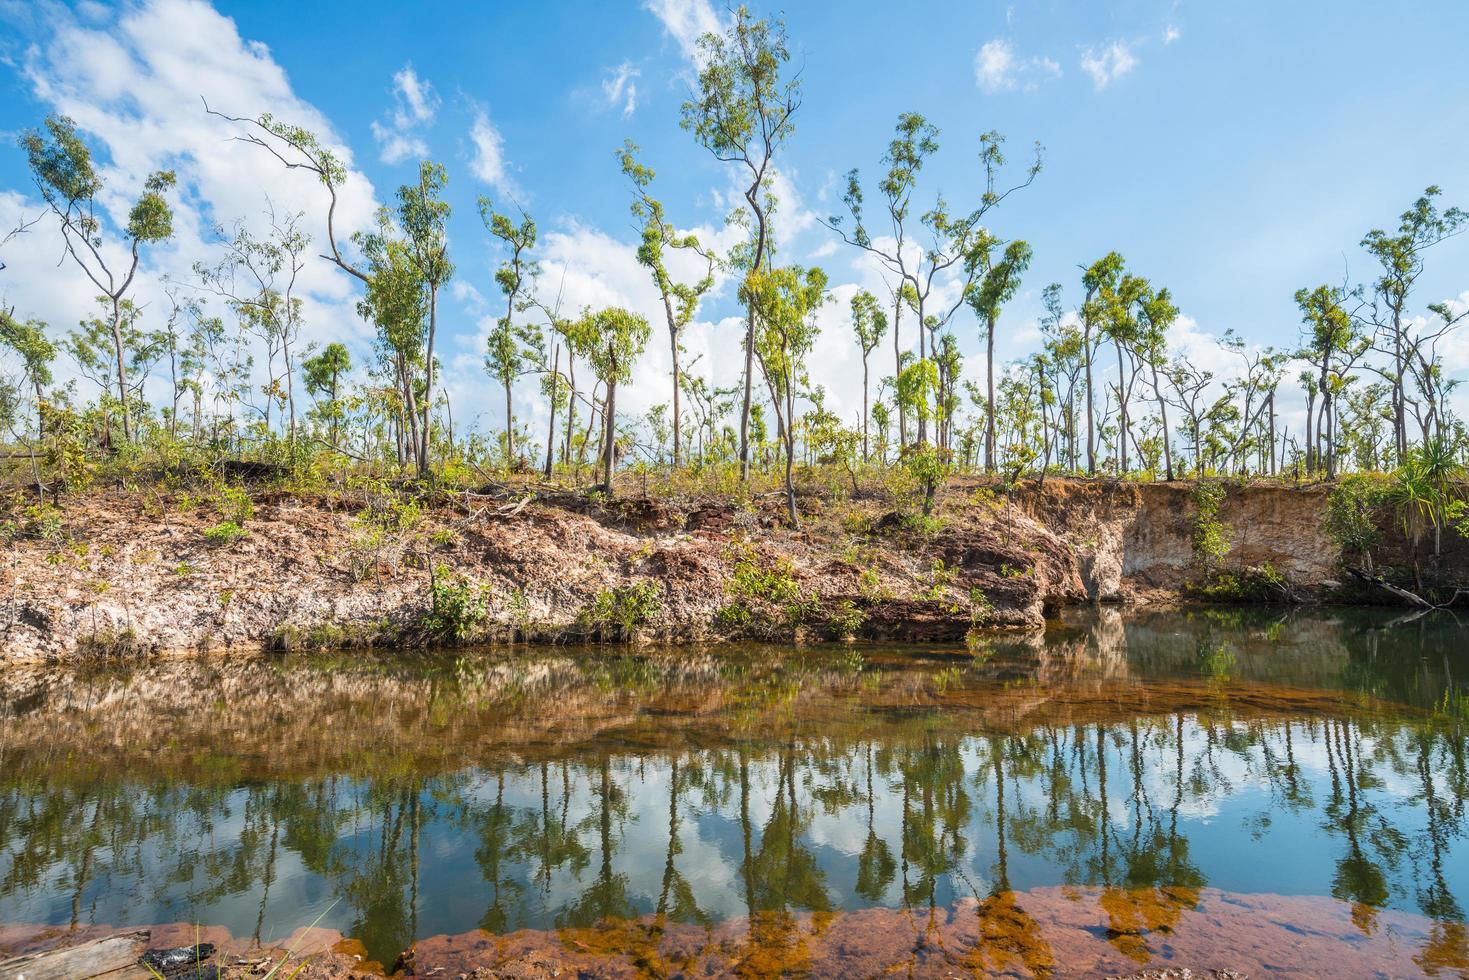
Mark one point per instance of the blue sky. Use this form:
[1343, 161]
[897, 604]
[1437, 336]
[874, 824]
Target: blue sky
[1231, 151]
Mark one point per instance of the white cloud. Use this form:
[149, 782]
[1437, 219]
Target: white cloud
[1108, 64]
[1171, 33]
[621, 88]
[133, 83]
[686, 21]
[488, 162]
[998, 69]
[414, 106]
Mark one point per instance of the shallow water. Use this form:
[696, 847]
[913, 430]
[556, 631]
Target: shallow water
[1124, 790]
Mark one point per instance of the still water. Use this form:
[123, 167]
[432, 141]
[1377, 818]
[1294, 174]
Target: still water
[1007, 805]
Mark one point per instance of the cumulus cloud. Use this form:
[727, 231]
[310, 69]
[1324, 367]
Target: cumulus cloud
[685, 21]
[1106, 65]
[620, 88]
[997, 68]
[487, 162]
[133, 78]
[1171, 33]
[399, 134]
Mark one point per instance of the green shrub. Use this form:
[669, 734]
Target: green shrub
[43, 522]
[617, 613]
[235, 505]
[1352, 509]
[846, 619]
[1263, 584]
[224, 533]
[756, 584]
[1210, 538]
[457, 606]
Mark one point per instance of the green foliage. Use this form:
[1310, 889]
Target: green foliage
[44, 523]
[845, 619]
[618, 612]
[1250, 585]
[756, 585]
[223, 533]
[235, 505]
[1210, 535]
[1352, 508]
[940, 579]
[457, 606]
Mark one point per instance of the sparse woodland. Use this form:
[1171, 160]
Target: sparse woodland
[1105, 394]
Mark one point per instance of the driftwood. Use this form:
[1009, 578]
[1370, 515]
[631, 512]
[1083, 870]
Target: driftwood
[1411, 598]
[113, 958]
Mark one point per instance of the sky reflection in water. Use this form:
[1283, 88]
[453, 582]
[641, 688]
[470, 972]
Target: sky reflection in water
[1319, 755]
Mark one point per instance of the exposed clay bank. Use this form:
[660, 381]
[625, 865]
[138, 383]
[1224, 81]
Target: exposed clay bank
[138, 573]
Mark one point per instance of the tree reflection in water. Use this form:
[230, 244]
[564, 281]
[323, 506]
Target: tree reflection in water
[611, 796]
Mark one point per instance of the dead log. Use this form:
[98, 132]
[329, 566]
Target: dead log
[1411, 598]
[114, 957]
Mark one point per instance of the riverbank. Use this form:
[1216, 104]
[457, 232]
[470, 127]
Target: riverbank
[1120, 934]
[160, 572]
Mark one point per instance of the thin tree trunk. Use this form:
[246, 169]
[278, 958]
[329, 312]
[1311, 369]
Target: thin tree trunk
[551, 424]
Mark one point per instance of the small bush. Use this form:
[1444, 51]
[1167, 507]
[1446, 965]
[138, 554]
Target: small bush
[617, 613]
[43, 522]
[457, 606]
[235, 505]
[1352, 509]
[224, 533]
[846, 619]
[1263, 584]
[756, 585]
[1210, 535]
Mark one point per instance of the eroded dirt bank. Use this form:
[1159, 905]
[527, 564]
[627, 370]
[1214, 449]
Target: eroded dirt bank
[144, 572]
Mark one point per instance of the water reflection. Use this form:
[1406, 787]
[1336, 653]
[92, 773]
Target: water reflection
[614, 797]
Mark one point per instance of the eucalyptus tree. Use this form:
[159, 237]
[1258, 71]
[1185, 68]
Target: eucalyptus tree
[998, 281]
[869, 323]
[952, 237]
[185, 356]
[61, 166]
[1400, 256]
[1097, 280]
[510, 342]
[257, 277]
[1251, 394]
[785, 301]
[742, 112]
[1062, 342]
[559, 389]
[902, 297]
[93, 347]
[323, 375]
[395, 302]
[1119, 305]
[298, 148]
[1156, 315]
[1190, 387]
[1333, 345]
[680, 300]
[611, 340]
[423, 214]
[27, 340]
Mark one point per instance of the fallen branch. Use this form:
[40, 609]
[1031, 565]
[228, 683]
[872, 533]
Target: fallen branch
[1412, 598]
